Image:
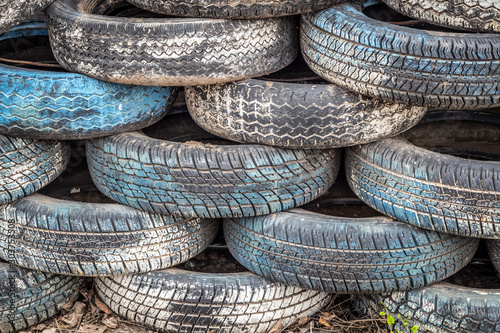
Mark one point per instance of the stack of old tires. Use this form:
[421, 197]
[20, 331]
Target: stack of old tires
[263, 136]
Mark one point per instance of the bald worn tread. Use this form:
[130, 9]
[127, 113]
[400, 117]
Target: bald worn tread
[167, 52]
[176, 300]
[419, 67]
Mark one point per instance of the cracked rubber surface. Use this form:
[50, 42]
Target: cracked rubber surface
[27, 165]
[97, 239]
[401, 64]
[203, 179]
[343, 254]
[474, 15]
[233, 8]
[167, 52]
[176, 300]
[443, 307]
[29, 297]
[13, 12]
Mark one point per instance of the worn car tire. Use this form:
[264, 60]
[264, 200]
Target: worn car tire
[418, 67]
[169, 52]
[97, 239]
[176, 300]
[233, 8]
[431, 188]
[210, 181]
[474, 15]
[29, 297]
[345, 254]
[27, 165]
[442, 307]
[296, 115]
[494, 252]
[67, 106]
[12, 12]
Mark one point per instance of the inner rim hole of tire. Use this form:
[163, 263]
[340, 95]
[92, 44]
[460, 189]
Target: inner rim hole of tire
[351, 208]
[88, 193]
[123, 9]
[213, 260]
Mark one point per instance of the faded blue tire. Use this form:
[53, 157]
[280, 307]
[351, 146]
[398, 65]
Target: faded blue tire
[29, 297]
[345, 254]
[13, 12]
[206, 180]
[391, 62]
[27, 165]
[67, 106]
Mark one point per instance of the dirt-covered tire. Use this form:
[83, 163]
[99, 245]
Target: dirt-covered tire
[434, 189]
[176, 300]
[206, 180]
[29, 297]
[27, 165]
[494, 252]
[233, 8]
[345, 254]
[418, 67]
[442, 307]
[168, 52]
[474, 15]
[13, 12]
[296, 115]
[57, 105]
[97, 239]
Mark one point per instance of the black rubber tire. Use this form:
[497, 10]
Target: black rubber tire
[295, 115]
[97, 239]
[345, 255]
[233, 8]
[205, 180]
[29, 297]
[176, 300]
[168, 52]
[474, 15]
[494, 252]
[431, 189]
[13, 12]
[56, 105]
[442, 307]
[27, 165]
[418, 67]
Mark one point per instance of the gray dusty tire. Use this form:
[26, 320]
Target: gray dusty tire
[27, 165]
[29, 297]
[192, 178]
[13, 12]
[176, 300]
[97, 239]
[442, 308]
[473, 15]
[233, 8]
[441, 70]
[166, 52]
[345, 254]
[296, 115]
[494, 252]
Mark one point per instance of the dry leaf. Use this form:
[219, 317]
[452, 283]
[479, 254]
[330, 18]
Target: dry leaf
[324, 322]
[303, 321]
[277, 328]
[103, 307]
[91, 328]
[110, 321]
[50, 330]
[75, 314]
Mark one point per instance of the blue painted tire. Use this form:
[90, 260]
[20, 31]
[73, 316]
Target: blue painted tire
[428, 187]
[67, 106]
[418, 67]
[345, 254]
[206, 180]
[13, 12]
[27, 165]
[30, 297]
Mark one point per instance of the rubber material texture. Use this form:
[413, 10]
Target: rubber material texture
[97, 239]
[68, 106]
[443, 307]
[168, 52]
[206, 180]
[494, 252]
[29, 297]
[27, 165]
[294, 115]
[233, 8]
[345, 255]
[474, 15]
[432, 189]
[401, 64]
[176, 300]
[13, 12]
